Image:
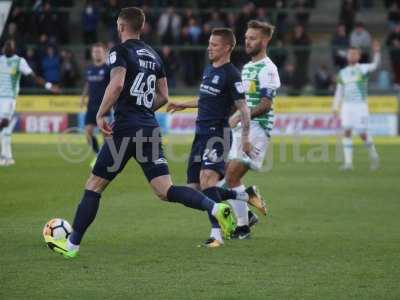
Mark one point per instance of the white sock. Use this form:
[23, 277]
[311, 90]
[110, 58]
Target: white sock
[71, 246]
[369, 144]
[216, 234]
[240, 208]
[6, 146]
[347, 150]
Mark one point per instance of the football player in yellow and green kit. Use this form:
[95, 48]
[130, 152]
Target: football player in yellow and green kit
[260, 80]
[12, 67]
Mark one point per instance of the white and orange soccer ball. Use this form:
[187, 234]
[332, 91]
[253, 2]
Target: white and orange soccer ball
[57, 228]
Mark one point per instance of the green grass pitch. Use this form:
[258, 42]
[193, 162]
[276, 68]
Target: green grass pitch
[331, 235]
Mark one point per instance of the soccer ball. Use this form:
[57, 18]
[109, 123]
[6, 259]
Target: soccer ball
[57, 228]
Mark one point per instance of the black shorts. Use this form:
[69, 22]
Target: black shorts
[143, 144]
[208, 152]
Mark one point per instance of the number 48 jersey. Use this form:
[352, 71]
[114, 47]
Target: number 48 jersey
[143, 66]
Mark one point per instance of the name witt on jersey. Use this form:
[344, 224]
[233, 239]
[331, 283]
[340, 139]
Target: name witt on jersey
[147, 64]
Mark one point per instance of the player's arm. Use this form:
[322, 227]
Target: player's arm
[244, 116]
[27, 71]
[111, 94]
[338, 98]
[84, 95]
[177, 106]
[376, 60]
[269, 83]
[161, 93]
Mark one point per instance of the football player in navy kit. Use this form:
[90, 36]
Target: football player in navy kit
[97, 76]
[137, 88]
[221, 91]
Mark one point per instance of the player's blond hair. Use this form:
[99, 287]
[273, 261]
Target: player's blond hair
[266, 28]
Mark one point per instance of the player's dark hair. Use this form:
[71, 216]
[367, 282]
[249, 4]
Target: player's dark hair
[99, 45]
[354, 48]
[134, 17]
[266, 28]
[227, 35]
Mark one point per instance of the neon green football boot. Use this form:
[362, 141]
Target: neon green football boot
[93, 162]
[225, 219]
[60, 247]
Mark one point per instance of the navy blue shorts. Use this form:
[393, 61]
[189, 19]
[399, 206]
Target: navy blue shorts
[90, 117]
[143, 144]
[208, 152]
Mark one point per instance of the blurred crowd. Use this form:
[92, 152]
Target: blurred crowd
[43, 31]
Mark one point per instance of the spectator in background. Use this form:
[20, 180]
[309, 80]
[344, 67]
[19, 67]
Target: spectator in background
[339, 44]
[393, 15]
[171, 65]
[278, 54]
[393, 42]
[301, 12]
[230, 20]
[280, 20]
[12, 33]
[147, 34]
[205, 34]
[187, 15]
[169, 27]
[247, 14]
[261, 15]
[109, 17]
[90, 20]
[348, 13]
[286, 75]
[50, 65]
[48, 23]
[322, 81]
[192, 58]
[215, 21]
[301, 43]
[361, 38]
[31, 59]
[194, 31]
[21, 19]
[69, 69]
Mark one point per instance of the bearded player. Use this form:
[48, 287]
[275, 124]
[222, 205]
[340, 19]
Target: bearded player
[260, 80]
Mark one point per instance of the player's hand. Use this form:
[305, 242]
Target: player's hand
[55, 89]
[246, 146]
[376, 46]
[234, 120]
[82, 102]
[335, 114]
[104, 126]
[174, 106]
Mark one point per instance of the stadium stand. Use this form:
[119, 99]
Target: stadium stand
[55, 36]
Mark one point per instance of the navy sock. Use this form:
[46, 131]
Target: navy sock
[84, 216]
[95, 144]
[190, 198]
[221, 193]
[213, 193]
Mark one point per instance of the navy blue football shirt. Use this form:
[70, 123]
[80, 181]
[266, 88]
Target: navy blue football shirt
[97, 78]
[219, 90]
[143, 66]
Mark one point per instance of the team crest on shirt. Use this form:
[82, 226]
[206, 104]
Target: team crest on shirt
[215, 79]
[113, 57]
[101, 72]
[239, 87]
